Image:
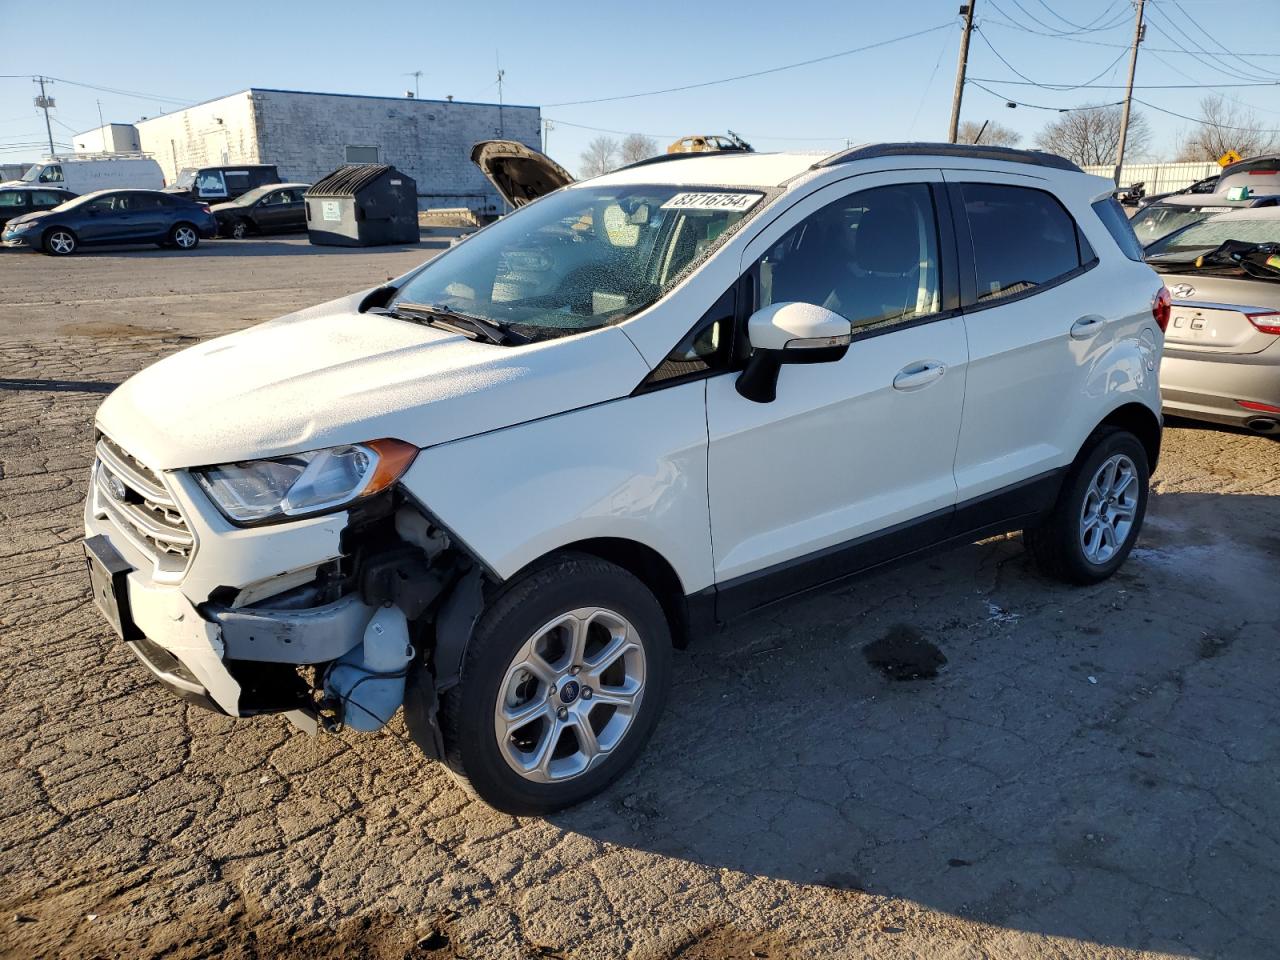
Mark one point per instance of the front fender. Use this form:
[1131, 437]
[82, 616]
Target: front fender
[633, 468]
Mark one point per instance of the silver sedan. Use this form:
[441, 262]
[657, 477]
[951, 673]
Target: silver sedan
[1222, 347]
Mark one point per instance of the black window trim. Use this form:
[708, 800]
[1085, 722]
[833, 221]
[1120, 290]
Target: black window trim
[747, 287]
[967, 260]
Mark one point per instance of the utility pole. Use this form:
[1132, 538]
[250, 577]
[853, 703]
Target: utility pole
[44, 103]
[967, 11]
[1139, 28]
[416, 74]
[547, 127]
[501, 128]
[100, 123]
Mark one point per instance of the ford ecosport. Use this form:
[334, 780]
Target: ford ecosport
[498, 490]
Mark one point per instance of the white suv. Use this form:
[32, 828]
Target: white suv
[499, 489]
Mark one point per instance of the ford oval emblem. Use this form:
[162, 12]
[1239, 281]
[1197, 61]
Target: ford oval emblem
[1183, 290]
[115, 486]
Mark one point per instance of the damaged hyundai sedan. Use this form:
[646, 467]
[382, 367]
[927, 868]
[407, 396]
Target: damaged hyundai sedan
[497, 491]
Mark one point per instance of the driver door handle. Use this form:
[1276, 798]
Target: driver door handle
[920, 374]
[1086, 327]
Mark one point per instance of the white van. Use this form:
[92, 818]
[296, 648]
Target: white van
[88, 173]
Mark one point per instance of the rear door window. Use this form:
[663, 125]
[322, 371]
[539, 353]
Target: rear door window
[1023, 239]
[237, 181]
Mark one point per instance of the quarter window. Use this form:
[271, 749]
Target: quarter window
[1022, 239]
[871, 257]
[11, 198]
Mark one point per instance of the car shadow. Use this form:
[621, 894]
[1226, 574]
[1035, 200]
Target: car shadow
[1089, 762]
[289, 245]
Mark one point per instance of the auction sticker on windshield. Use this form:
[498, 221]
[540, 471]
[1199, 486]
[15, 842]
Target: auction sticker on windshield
[736, 202]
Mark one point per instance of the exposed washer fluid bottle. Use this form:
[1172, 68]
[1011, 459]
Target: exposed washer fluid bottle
[368, 680]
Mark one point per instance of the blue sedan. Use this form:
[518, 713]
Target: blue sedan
[113, 216]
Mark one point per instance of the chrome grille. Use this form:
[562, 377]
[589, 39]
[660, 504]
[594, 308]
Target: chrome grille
[133, 496]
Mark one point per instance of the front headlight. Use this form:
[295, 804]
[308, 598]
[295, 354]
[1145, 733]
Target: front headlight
[19, 227]
[302, 484]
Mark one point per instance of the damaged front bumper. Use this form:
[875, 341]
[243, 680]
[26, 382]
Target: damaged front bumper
[222, 626]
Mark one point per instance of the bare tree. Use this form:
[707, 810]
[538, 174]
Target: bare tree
[1091, 135]
[1226, 126]
[995, 134]
[601, 156]
[636, 146]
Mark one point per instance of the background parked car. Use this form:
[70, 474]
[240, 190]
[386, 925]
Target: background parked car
[1250, 183]
[88, 173]
[113, 216]
[222, 182]
[278, 208]
[15, 201]
[1222, 346]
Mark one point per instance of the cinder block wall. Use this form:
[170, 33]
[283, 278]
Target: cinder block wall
[306, 135]
[220, 131]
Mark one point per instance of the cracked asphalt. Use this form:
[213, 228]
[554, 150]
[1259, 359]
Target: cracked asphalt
[1092, 772]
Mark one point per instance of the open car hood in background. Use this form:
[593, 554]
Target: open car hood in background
[521, 174]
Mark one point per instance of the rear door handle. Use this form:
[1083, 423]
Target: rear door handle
[919, 374]
[1086, 327]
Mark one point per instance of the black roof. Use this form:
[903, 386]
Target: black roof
[971, 151]
[348, 180]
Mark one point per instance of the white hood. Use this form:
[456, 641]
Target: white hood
[331, 375]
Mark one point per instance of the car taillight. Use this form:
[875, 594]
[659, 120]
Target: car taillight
[1161, 306]
[1268, 321]
[205, 208]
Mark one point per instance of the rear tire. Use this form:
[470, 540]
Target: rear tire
[1099, 511]
[581, 648]
[59, 242]
[184, 236]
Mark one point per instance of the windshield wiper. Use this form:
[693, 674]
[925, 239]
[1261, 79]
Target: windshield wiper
[450, 319]
[1259, 260]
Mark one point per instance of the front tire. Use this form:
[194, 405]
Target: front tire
[562, 684]
[60, 242]
[184, 236]
[1099, 511]
[239, 230]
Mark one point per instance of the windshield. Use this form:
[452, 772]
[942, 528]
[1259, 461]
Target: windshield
[582, 258]
[44, 173]
[1211, 234]
[257, 193]
[186, 177]
[1160, 220]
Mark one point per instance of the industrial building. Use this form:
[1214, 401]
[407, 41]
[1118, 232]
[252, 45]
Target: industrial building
[108, 138]
[308, 135]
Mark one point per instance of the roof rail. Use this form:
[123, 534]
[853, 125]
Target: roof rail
[872, 151]
[665, 157]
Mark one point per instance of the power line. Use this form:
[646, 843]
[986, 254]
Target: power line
[1202, 120]
[1081, 27]
[1137, 86]
[1059, 31]
[1217, 64]
[1102, 43]
[756, 73]
[1059, 87]
[1038, 106]
[1235, 100]
[1214, 40]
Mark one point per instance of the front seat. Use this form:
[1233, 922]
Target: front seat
[886, 258]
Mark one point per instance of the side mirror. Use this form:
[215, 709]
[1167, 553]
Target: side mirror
[790, 332]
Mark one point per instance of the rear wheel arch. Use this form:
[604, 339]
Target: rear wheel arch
[1138, 419]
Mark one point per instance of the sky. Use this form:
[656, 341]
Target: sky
[160, 56]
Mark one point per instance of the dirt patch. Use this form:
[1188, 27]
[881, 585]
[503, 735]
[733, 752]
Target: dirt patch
[903, 654]
[728, 943]
[110, 329]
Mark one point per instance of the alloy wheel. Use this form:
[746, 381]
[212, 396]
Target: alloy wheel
[62, 242]
[185, 237]
[1110, 505]
[570, 695]
[240, 230]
